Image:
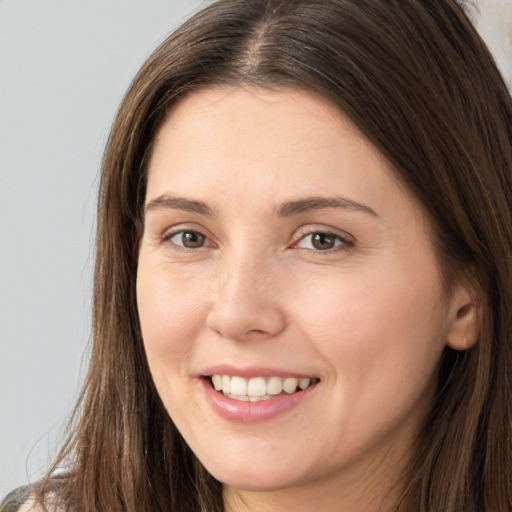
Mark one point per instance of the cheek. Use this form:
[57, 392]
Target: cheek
[371, 308]
[169, 311]
[380, 332]
[171, 318]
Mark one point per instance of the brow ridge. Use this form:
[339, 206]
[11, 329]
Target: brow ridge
[287, 209]
[166, 201]
[318, 203]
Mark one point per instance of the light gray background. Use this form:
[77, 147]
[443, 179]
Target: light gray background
[64, 65]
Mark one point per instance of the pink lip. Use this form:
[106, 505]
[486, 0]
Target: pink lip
[253, 412]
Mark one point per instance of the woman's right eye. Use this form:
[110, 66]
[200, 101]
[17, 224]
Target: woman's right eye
[188, 239]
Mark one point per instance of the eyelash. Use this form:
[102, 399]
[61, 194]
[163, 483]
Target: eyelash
[169, 236]
[343, 244]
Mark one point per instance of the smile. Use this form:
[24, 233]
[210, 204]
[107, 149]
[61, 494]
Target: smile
[259, 388]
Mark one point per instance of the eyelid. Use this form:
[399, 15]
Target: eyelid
[348, 240]
[170, 233]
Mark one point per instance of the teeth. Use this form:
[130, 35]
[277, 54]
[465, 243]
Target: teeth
[290, 385]
[274, 385]
[243, 398]
[226, 384]
[238, 386]
[258, 388]
[217, 382]
[304, 383]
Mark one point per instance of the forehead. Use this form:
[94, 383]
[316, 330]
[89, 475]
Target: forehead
[258, 101]
[251, 134]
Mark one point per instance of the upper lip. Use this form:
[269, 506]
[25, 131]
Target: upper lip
[253, 371]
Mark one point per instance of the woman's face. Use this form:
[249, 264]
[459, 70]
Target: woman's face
[280, 250]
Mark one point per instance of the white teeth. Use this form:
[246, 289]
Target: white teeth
[217, 382]
[290, 385]
[274, 385]
[243, 398]
[238, 386]
[226, 384]
[258, 388]
[304, 383]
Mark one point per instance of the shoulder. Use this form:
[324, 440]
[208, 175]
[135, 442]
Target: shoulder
[22, 500]
[16, 499]
[30, 506]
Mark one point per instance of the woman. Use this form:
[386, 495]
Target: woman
[302, 287]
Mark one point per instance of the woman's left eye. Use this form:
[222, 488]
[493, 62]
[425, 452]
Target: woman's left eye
[322, 241]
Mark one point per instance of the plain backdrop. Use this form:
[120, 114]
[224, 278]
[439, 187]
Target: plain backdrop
[64, 66]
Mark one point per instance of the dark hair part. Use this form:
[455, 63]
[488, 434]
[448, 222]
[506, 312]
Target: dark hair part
[417, 80]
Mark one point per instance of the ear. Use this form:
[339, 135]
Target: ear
[464, 320]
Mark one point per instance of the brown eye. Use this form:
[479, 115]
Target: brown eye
[189, 239]
[323, 241]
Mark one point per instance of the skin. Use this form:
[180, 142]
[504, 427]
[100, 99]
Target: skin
[369, 317]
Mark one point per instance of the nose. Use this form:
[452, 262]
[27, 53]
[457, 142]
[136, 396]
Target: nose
[247, 301]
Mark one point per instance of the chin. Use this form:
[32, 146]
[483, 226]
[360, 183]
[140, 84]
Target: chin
[252, 482]
[250, 475]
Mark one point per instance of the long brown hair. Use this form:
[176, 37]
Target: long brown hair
[417, 80]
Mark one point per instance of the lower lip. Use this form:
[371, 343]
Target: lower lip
[253, 412]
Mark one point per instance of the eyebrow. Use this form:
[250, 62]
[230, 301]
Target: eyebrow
[179, 203]
[287, 209]
[318, 203]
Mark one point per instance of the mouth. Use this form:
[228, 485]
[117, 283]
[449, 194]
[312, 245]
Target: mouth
[257, 389]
